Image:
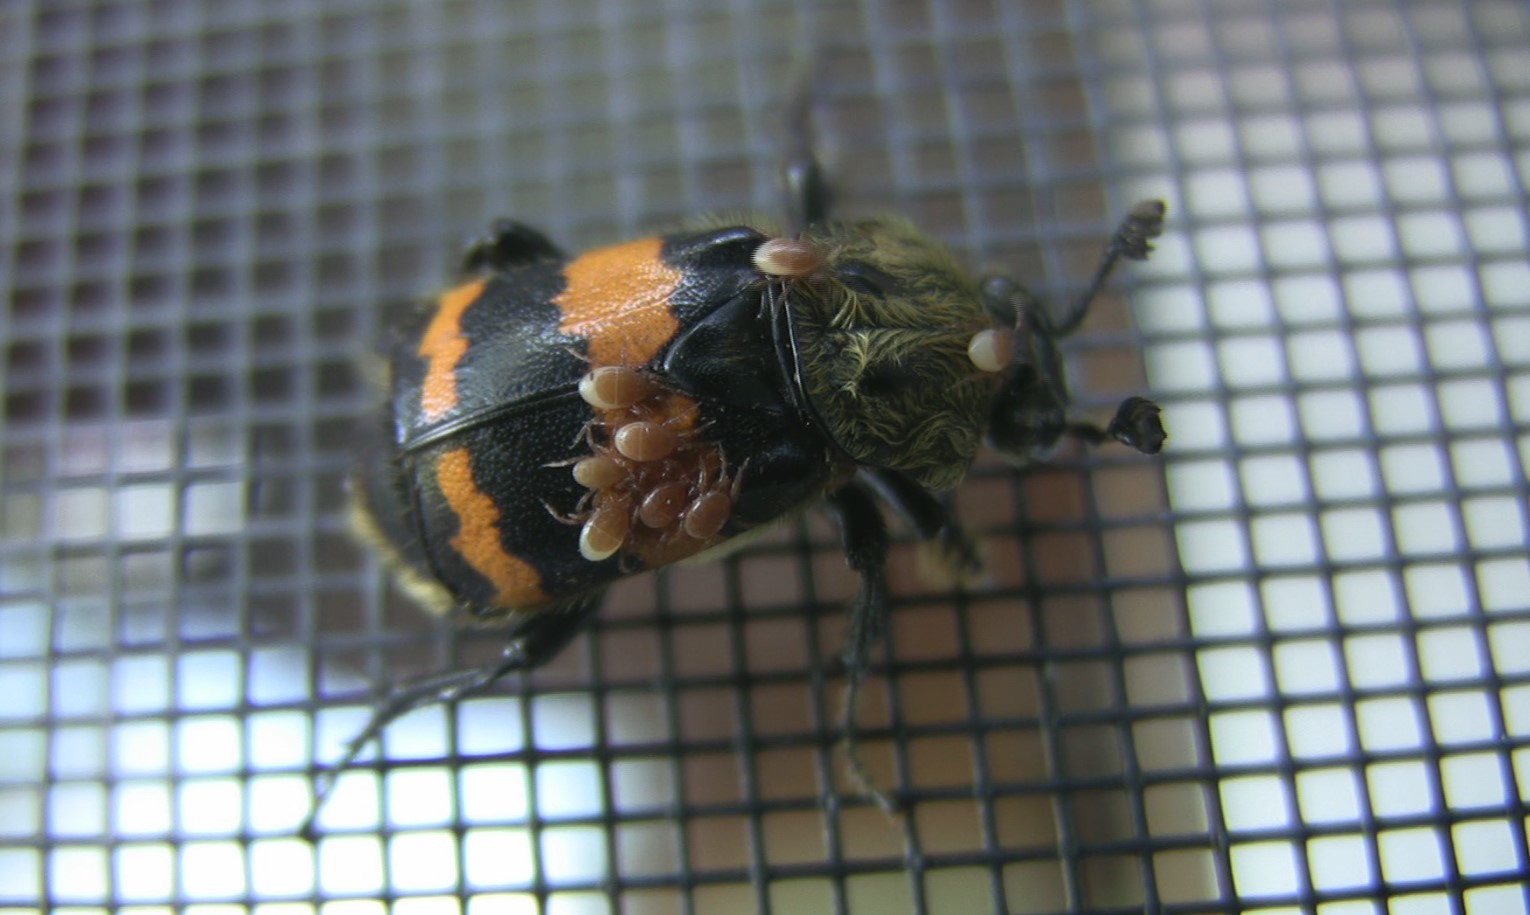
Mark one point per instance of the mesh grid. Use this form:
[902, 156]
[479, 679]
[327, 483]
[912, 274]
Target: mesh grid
[1285, 669]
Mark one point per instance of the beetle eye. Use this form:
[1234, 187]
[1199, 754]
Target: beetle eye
[863, 279]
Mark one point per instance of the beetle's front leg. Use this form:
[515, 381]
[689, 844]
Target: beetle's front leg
[863, 533]
[953, 554]
[506, 244]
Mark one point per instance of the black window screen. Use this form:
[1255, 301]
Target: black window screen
[1285, 668]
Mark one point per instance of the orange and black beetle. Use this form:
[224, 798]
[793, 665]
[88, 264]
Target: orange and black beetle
[557, 423]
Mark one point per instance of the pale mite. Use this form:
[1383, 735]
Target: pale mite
[788, 257]
[992, 350]
[607, 528]
[614, 387]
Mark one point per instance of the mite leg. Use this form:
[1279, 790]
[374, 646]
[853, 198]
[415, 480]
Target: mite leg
[806, 191]
[533, 643]
[955, 551]
[507, 244]
[863, 533]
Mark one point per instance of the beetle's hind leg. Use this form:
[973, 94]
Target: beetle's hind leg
[863, 533]
[506, 244]
[537, 640]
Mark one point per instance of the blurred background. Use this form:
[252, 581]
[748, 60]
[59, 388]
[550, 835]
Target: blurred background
[1285, 668]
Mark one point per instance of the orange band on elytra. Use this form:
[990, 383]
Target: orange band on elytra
[617, 298]
[442, 346]
[516, 582]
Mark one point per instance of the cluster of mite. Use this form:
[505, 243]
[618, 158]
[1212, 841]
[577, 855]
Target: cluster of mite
[656, 487]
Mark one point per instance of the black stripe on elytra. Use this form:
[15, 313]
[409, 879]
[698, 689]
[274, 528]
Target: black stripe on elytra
[718, 265]
[516, 359]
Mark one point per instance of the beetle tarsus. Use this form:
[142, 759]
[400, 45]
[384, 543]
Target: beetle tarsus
[849, 726]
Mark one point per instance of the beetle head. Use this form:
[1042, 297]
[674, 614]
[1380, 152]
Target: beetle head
[1030, 410]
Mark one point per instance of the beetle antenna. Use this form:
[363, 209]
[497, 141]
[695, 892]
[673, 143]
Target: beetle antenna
[1131, 241]
[1136, 425]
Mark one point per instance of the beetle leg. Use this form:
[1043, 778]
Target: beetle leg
[507, 244]
[806, 192]
[538, 638]
[863, 533]
[923, 511]
[954, 551]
